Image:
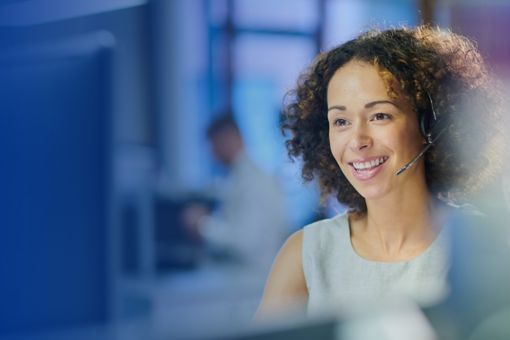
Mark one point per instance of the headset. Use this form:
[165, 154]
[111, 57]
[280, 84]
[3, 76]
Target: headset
[428, 122]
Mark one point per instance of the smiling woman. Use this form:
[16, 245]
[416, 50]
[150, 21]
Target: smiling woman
[384, 122]
[370, 135]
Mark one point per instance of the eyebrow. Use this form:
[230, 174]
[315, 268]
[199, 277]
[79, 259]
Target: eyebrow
[367, 106]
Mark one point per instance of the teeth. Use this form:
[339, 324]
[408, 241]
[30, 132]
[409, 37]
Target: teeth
[369, 165]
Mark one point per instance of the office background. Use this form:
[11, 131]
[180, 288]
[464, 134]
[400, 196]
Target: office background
[104, 110]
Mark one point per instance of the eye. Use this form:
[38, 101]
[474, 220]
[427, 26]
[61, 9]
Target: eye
[340, 122]
[380, 116]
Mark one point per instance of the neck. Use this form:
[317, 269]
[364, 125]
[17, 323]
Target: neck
[401, 221]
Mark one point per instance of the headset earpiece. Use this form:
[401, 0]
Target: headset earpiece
[424, 122]
[427, 121]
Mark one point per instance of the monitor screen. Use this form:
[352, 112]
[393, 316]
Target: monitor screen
[55, 135]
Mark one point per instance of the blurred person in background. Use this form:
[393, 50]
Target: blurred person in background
[248, 226]
[401, 126]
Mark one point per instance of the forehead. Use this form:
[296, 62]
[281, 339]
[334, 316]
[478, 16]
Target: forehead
[357, 80]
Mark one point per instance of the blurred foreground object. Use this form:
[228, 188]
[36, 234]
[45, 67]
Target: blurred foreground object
[55, 251]
[479, 304]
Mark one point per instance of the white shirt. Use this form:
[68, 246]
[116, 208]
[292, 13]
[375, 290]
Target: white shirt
[250, 220]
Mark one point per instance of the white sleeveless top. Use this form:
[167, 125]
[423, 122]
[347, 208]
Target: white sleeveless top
[336, 276]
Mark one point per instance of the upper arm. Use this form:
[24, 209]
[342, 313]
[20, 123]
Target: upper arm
[285, 287]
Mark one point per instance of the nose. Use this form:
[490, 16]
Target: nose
[360, 139]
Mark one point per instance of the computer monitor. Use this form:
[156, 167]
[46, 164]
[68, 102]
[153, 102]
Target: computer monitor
[55, 136]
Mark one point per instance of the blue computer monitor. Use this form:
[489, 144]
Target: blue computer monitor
[55, 137]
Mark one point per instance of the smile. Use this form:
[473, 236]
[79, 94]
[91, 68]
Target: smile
[367, 168]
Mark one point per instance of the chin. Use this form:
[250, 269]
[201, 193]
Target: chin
[374, 189]
[372, 193]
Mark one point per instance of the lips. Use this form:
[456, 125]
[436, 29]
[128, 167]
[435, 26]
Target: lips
[366, 168]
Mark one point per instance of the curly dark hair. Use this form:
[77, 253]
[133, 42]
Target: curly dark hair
[429, 64]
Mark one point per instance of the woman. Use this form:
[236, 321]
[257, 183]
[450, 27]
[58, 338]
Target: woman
[399, 125]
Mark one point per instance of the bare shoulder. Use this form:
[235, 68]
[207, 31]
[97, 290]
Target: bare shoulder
[285, 287]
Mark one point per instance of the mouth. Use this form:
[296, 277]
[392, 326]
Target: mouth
[367, 168]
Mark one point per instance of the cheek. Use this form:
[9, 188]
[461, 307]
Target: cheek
[407, 141]
[337, 147]
[413, 141]
[394, 141]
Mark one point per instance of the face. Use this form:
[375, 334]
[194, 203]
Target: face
[372, 135]
[225, 145]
